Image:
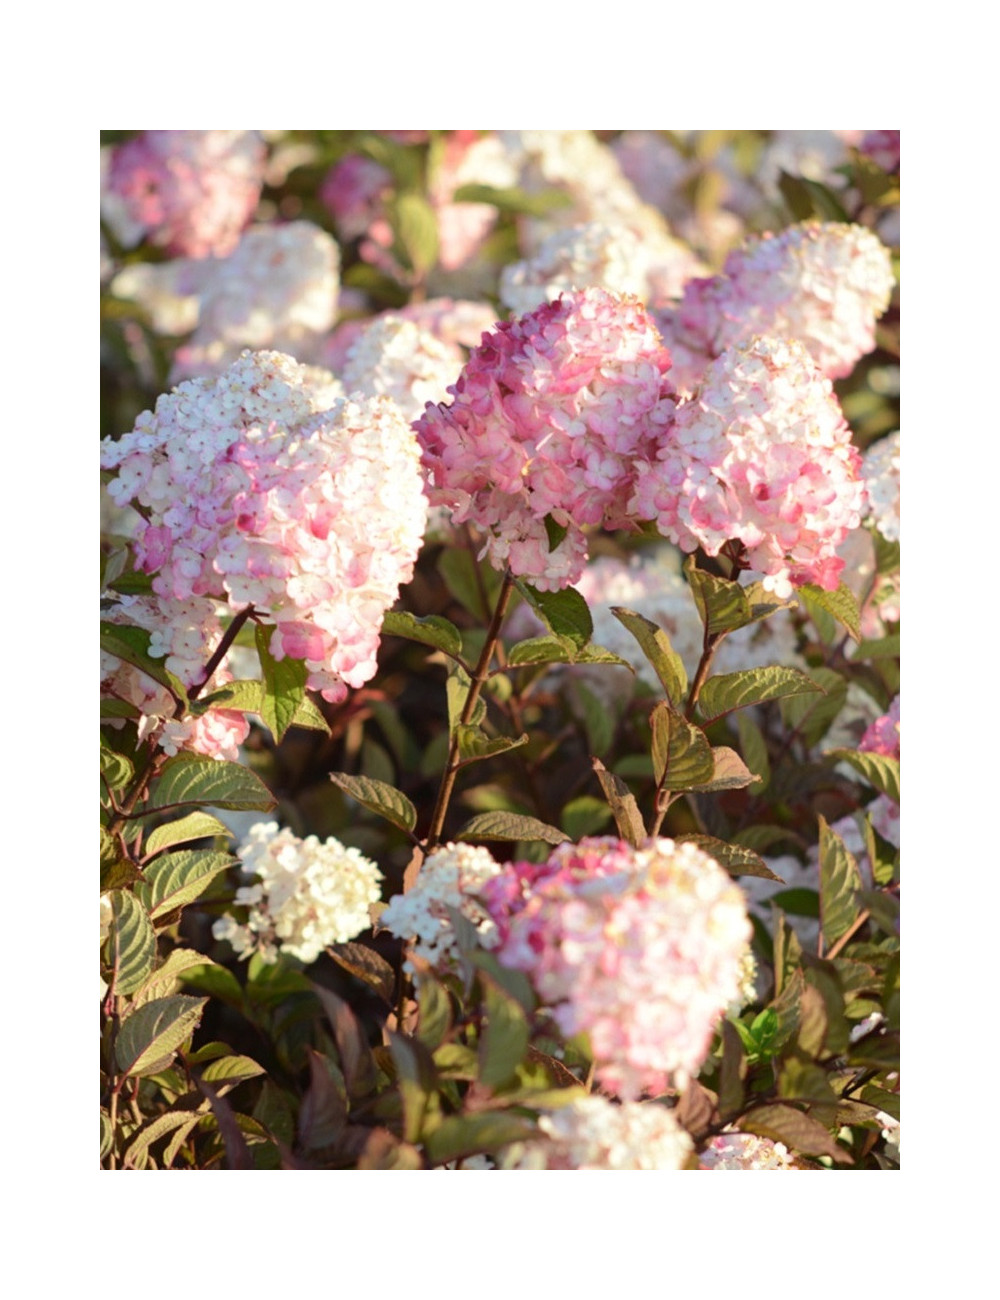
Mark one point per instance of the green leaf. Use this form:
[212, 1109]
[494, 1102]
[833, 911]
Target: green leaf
[469, 582]
[133, 942]
[284, 685]
[682, 756]
[813, 714]
[754, 748]
[216, 980]
[879, 770]
[840, 881]
[584, 815]
[380, 798]
[842, 604]
[732, 1071]
[564, 612]
[655, 645]
[729, 691]
[736, 859]
[505, 1035]
[176, 879]
[131, 645]
[886, 555]
[415, 1079]
[192, 779]
[623, 806]
[510, 826]
[722, 605]
[886, 647]
[116, 769]
[107, 1133]
[807, 198]
[511, 199]
[432, 630]
[112, 708]
[554, 531]
[541, 650]
[352, 1045]
[151, 1035]
[434, 1019]
[137, 1151]
[308, 716]
[883, 909]
[416, 226]
[457, 688]
[474, 744]
[226, 1072]
[764, 603]
[239, 696]
[195, 826]
[458, 1136]
[805, 1081]
[513, 982]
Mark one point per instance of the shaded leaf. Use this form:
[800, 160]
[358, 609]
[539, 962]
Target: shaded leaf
[434, 1020]
[323, 1112]
[138, 1148]
[231, 1126]
[416, 225]
[457, 688]
[797, 1131]
[534, 203]
[732, 1072]
[584, 815]
[352, 1045]
[729, 771]
[415, 1079]
[754, 748]
[510, 826]
[166, 978]
[379, 797]
[216, 980]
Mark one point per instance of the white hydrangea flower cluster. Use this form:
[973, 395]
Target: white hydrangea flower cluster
[592, 255]
[594, 1133]
[278, 290]
[449, 878]
[577, 163]
[257, 495]
[310, 895]
[745, 1151]
[397, 358]
[880, 467]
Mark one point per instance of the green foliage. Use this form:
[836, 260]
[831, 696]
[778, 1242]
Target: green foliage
[723, 694]
[510, 826]
[192, 779]
[655, 645]
[379, 798]
[682, 756]
[284, 686]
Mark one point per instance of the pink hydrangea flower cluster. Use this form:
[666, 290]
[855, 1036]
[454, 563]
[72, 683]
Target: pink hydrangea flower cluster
[882, 147]
[882, 737]
[762, 454]
[825, 284]
[257, 495]
[594, 1133]
[402, 360]
[193, 191]
[550, 417]
[881, 470]
[593, 255]
[641, 949]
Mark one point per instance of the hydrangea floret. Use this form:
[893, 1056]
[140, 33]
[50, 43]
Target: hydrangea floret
[255, 496]
[880, 467]
[549, 418]
[761, 454]
[640, 949]
[745, 1151]
[309, 894]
